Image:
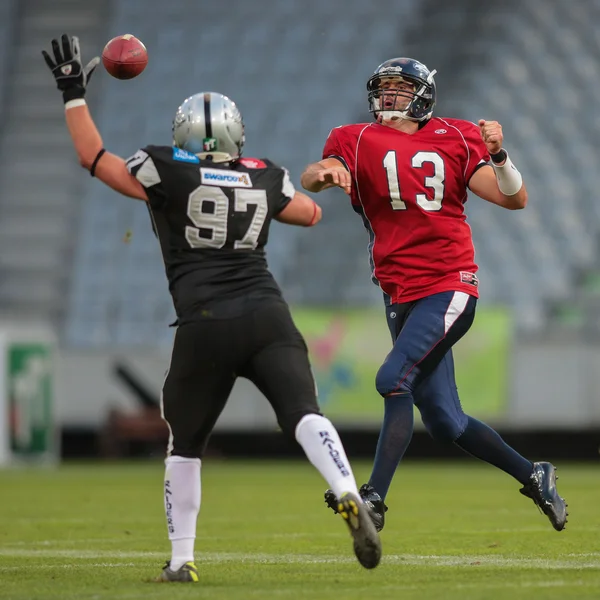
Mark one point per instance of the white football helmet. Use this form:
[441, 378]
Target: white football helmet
[209, 124]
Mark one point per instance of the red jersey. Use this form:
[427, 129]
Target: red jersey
[410, 191]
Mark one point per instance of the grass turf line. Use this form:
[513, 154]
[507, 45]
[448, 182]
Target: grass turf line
[97, 531]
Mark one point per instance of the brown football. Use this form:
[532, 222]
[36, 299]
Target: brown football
[125, 57]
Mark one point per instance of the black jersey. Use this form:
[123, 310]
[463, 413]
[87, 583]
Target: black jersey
[212, 221]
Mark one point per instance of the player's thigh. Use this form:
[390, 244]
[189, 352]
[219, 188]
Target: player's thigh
[438, 401]
[279, 366]
[283, 374]
[434, 325]
[198, 384]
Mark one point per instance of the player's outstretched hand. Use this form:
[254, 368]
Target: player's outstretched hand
[66, 66]
[491, 134]
[337, 176]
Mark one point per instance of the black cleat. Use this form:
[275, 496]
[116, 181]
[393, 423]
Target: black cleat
[541, 488]
[370, 497]
[373, 500]
[188, 573]
[367, 545]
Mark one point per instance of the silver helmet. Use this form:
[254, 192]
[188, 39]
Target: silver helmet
[209, 123]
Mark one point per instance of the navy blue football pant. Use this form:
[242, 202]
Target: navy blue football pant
[421, 362]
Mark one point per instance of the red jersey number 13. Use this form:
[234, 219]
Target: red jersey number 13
[435, 182]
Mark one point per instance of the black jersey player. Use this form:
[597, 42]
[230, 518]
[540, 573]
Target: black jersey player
[211, 209]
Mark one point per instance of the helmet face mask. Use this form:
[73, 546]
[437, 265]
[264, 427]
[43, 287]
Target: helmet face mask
[209, 124]
[421, 99]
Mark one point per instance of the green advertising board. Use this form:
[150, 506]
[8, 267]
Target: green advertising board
[347, 348]
[27, 423]
[30, 398]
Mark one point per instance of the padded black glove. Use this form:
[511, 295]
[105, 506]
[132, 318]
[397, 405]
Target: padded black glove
[71, 77]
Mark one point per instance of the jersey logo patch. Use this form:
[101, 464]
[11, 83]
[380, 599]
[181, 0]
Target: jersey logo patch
[225, 178]
[469, 278]
[184, 156]
[253, 163]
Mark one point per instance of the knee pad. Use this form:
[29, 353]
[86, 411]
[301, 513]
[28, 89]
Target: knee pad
[388, 379]
[443, 425]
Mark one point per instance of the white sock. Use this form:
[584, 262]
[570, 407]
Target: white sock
[323, 447]
[182, 504]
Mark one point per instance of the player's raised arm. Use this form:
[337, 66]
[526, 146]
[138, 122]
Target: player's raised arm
[327, 173]
[502, 184]
[71, 79]
[301, 210]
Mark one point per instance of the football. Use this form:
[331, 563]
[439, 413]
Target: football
[125, 57]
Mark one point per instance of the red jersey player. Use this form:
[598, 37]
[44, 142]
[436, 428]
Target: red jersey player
[407, 174]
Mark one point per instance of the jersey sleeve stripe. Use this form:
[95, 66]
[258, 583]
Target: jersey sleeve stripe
[147, 174]
[478, 166]
[136, 160]
[341, 159]
[287, 187]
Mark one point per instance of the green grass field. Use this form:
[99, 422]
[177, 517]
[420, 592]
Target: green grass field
[97, 531]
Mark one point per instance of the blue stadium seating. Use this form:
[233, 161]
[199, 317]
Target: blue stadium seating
[296, 69]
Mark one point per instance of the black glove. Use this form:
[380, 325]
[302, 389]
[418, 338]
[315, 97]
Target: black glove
[71, 77]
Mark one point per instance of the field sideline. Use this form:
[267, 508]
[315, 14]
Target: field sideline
[96, 531]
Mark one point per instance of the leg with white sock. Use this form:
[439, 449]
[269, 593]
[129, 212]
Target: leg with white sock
[323, 448]
[194, 395]
[283, 374]
[182, 504]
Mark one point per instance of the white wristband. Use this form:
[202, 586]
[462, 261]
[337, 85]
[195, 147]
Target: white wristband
[75, 103]
[509, 179]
